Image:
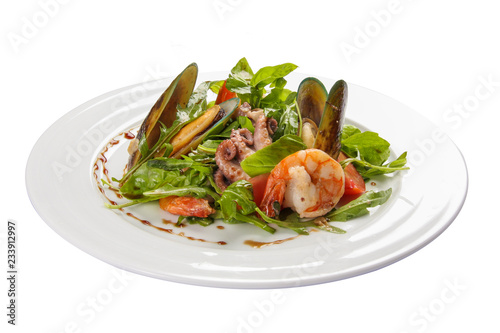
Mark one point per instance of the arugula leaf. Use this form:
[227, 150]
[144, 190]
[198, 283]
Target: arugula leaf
[237, 194]
[294, 222]
[288, 122]
[359, 206]
[169, 164]
[252, 219]
[368, 170]
[237, 205]
[203, 221]
[291, 223]
[368, 152]
[133, 202]
[166, 171]
[265, 159]
[188, 190]
[209, 146]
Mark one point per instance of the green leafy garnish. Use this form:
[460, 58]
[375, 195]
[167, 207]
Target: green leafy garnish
[370, 146]
[250, 87]
[368, 170]
[359, 206]
[368, 152]
[265, 159]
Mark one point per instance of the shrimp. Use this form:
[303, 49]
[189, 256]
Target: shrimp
[309, 181]
[186, 206]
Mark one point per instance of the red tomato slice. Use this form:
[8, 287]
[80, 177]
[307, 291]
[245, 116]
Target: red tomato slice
[186, 206]
[354, 183]
[259, 187]
[224, 94]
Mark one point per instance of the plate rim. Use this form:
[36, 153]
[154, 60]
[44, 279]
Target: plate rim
[228, 283]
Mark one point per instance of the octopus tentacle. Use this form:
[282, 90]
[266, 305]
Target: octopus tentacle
[230, 168]
[228, 150]
[272, 125]
[242, 138]
[261, 136]
[242, 110]
[220, 180]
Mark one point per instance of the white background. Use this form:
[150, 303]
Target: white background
[429, 55]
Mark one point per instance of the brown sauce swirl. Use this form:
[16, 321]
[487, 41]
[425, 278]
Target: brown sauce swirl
[102, 160]
[258, 245]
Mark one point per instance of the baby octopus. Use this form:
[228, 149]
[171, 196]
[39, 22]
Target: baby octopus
[241, 144]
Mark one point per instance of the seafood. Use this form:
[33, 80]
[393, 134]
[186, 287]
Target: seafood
[186, 206]
[322, 114]
[229, 169]
[242, 144]
[309, 182]
[186, 146]
[242, 140]
[164, 111]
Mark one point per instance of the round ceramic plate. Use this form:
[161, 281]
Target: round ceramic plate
[66, 164]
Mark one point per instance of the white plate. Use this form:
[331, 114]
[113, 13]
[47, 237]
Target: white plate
[62, 188]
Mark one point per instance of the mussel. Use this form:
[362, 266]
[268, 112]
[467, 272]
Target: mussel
[322, 114]
[210, 122]
[164, 111]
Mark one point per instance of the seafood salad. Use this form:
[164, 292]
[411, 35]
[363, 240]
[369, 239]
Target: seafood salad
[258, 153]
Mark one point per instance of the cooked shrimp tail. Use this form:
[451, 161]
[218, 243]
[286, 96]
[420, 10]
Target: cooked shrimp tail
[309, 181]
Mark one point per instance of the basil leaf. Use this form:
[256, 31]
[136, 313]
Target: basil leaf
[250, 87]
[266, 75]
[242, 70]
[371, 147]
[359, 206]
[264, 160]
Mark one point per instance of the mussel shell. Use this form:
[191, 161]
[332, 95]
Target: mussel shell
[225, 110]
[164, 110]
[311, 99]
[330, 128]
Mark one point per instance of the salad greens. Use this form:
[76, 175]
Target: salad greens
[153, 178]
[368, 152]
[279, 103]
[265, 159]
